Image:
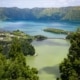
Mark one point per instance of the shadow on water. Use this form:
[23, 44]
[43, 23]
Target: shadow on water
[51, 70]
[49, 43]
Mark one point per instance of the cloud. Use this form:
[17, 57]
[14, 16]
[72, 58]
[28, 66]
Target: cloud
[38, 3]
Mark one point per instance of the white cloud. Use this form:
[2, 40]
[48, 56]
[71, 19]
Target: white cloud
[38, 3]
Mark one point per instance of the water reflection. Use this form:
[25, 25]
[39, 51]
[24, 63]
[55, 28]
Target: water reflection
[51, 70]
[49, 42]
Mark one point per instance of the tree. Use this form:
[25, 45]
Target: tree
[15, 48]
[15, 67]
[2, 66]
[1, 48]
[20, 46]
[69, 68]
[27, 48]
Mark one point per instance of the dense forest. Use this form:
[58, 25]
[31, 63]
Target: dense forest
[25, 40]
[41, 14]
[14, 66]
[69, 68]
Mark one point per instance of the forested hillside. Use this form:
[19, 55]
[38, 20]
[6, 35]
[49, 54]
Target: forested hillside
[61, 14]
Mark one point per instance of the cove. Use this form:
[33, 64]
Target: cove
[50, 54]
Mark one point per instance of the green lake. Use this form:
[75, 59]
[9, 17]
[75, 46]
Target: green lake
[50, 53]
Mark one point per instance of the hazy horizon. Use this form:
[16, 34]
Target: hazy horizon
[39, 4]
[38, 7]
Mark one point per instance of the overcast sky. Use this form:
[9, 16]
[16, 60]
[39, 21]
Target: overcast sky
[38, 3]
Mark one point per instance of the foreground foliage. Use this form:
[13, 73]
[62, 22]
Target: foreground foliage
[25, 45]
[70, 67]
[15, 67]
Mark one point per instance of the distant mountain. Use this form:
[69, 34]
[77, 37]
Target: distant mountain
[45, 14]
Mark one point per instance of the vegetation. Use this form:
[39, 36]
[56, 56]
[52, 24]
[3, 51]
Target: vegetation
[24, 41]
[15, 67]
[57, 31]
[8, 36]
[26, 47]
[41, 14]
[40, 37]
[69, 36]
[69, 68]
[21, 35]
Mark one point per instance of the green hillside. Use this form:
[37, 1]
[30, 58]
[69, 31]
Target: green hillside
[61, 14]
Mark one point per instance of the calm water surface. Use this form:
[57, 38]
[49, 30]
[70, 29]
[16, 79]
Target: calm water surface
[36, 28]
[50, 53]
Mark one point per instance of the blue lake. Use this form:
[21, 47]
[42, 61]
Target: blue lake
[36, 28]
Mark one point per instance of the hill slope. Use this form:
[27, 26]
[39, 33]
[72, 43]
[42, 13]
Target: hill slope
[62, 14]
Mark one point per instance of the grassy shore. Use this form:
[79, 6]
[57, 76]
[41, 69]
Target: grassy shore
[8, 36]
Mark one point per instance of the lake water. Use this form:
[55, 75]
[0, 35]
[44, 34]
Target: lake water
[36, 28]
[51, 51]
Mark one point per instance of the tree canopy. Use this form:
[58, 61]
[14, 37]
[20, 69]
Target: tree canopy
[15, 67]
[70, 67]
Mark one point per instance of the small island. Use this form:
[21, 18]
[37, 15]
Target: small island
[40, 37]
[57, 31]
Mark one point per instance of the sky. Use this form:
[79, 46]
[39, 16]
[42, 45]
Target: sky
[38, 3]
